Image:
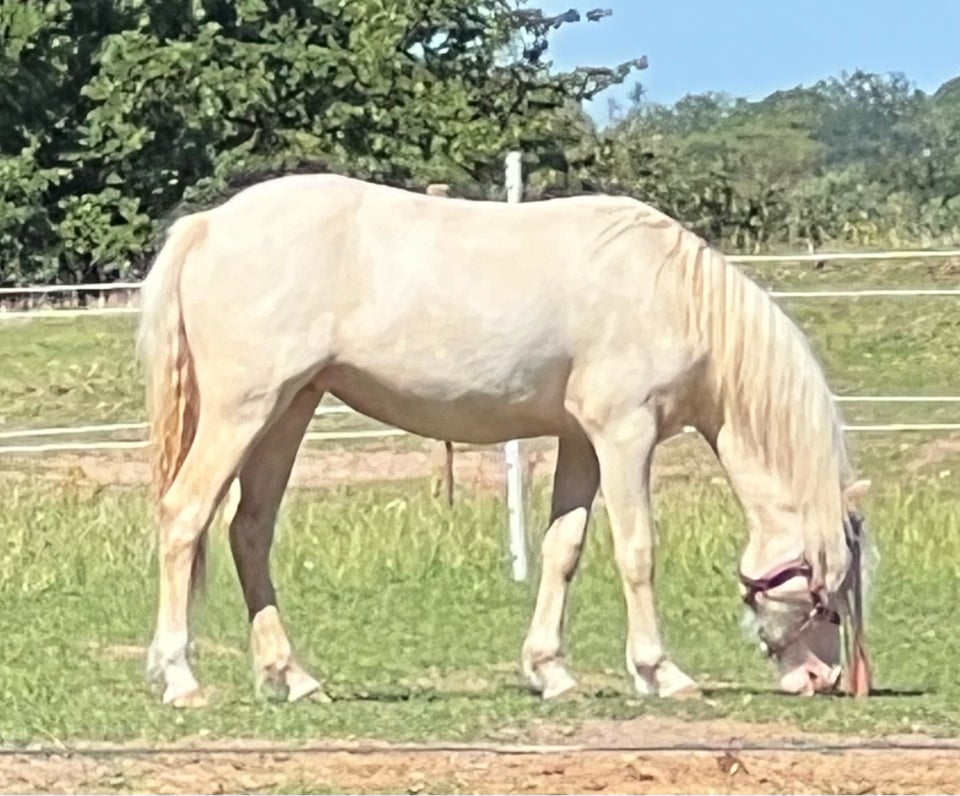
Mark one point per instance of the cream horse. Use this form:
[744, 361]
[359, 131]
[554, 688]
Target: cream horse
[596, 320]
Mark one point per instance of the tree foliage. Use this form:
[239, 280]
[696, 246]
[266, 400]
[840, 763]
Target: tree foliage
[860, 159]
[117, 114]
[114, 112]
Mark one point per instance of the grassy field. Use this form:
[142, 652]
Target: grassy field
[406, 608]
[408, 612]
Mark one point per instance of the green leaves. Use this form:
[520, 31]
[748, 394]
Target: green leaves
[106, 229]
[115, 114]
[861, 160]
[141, 104]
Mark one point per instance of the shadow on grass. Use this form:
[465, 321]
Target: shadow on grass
[741, 690]
[520, 690]
[902, 692]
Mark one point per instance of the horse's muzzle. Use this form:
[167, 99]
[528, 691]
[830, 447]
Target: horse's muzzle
[813, 676]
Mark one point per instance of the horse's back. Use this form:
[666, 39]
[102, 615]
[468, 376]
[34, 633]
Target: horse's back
[339, 243]
[369, 206]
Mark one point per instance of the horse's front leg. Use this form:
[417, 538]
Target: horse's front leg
[624, 447]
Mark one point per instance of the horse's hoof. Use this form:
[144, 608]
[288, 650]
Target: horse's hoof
[672, 683]
[306, 686]
[688, 691]
[190, 700]
[557, 682]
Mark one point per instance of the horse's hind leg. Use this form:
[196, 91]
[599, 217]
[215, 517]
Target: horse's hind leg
[185, 513]
[263, 478]
[575, 483]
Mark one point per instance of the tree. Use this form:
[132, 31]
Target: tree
[152, 102]
[45, 59]
[863, 159]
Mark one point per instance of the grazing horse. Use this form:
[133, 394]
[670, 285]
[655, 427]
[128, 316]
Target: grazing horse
[594, 319]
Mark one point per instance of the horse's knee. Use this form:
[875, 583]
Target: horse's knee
[635, 560]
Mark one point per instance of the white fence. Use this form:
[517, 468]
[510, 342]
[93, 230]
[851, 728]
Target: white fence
[512, 453]
[382, 433]
[511, 449]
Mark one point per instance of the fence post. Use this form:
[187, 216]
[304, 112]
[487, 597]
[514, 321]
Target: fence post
[511, 450]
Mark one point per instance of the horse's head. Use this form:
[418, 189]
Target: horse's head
[799, 620]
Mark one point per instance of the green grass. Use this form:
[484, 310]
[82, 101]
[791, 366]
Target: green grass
[83, 371]
[408, 612]
[68, 371]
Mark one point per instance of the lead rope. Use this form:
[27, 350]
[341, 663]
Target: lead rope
[858, 664]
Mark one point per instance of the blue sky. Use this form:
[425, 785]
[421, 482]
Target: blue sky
[753, 47]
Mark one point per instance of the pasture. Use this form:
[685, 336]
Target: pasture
[405, 607]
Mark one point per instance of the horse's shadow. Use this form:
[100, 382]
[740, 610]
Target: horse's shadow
[744, 690]
[399, 695]
[593, 692]
[714, 692]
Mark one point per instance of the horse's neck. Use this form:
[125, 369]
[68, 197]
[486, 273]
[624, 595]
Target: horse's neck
[758, 362]
[774, 521]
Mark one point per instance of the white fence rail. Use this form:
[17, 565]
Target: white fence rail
[72, 312]
[745, 259]
[377, 433]
[93, 446]
[817, 257]
[24, 315]
[87, 287]
[342, 409]
[512, 455]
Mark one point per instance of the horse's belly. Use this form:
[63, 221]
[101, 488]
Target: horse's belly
[442, 407]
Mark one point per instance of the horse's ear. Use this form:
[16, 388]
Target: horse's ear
[857, 491]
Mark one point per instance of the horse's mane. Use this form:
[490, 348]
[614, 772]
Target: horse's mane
[773, 390]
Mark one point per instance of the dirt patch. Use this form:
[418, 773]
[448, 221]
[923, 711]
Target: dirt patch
[935, 453]
[474, 470]
[661, 731]
[477, 470]
[187, 770]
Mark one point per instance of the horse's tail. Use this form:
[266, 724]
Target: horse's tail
[171, 391]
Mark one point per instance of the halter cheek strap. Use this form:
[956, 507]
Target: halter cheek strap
[800, 568]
